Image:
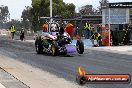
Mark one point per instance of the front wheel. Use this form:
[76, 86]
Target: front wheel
[80, 46]
[38, 45]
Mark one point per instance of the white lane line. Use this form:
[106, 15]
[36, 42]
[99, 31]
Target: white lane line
[1, 86]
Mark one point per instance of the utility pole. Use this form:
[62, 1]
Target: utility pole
[51, 10]
[50, 13]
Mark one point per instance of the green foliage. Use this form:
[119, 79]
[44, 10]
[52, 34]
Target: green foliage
[35, 3]
[89, 10]
[26, 18]
[4, 15]
[41, 8]
[70, 10]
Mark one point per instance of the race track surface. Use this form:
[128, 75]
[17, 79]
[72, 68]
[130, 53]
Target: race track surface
[97, 62]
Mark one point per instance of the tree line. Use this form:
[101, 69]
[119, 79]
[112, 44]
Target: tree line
[41, 8]
[30, 18]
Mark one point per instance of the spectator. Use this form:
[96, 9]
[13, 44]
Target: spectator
[12, 29]
[96, 36]
[22, 35]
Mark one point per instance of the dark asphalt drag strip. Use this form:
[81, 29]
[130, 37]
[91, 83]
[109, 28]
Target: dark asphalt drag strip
[66, 67]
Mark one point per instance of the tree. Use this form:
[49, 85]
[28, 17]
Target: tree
[70, 10]
[4, 15]
[41, 8]
[87, 10]
[103, 4]
[26, 18]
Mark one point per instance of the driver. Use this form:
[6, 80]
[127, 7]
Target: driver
[46, 34]
[54, 27]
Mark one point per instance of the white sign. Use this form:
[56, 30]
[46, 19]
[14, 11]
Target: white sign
[115, 16]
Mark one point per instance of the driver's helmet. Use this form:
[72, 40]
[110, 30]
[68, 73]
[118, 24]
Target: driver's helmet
[54, 27]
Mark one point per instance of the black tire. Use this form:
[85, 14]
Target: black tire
[54, 48]
[38, 45]
[80, 46]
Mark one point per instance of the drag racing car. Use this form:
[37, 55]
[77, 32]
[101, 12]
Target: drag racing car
[62, 45]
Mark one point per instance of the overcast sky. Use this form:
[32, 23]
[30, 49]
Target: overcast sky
[17, 6]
